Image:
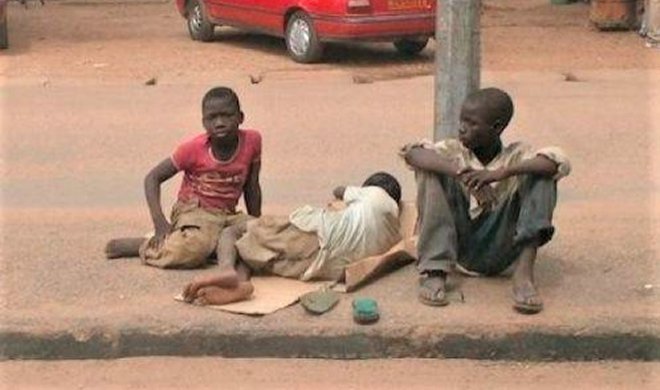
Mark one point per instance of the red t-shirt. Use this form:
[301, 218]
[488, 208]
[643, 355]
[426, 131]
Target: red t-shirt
[216, 184]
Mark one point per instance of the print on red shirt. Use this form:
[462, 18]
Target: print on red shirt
[216, 184]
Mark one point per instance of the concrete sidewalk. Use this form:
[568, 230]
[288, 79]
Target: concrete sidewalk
[70, 182]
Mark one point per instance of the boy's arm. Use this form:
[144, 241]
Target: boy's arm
[428, 160]
[158, 174]
[539, 165]
[252, 191]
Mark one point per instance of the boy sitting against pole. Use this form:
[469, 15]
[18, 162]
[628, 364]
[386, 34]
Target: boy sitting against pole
[483, 206]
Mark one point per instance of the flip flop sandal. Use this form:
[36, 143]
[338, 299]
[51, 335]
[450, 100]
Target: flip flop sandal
[438, 297]
[523, 307]
[365, 311]
[320, 301]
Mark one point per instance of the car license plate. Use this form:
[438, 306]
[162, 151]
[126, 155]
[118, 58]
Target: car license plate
[399, 5]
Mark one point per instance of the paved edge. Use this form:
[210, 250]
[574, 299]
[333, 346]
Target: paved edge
[535, 345]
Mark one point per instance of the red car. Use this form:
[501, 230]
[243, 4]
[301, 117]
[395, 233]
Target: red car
[307, 24]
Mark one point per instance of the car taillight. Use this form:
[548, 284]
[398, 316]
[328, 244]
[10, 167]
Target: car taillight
[358, 6]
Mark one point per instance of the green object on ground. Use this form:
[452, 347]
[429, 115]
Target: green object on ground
[320, 301]
[365, 310]
[562, 2]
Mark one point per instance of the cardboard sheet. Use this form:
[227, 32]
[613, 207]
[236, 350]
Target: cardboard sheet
[371, 268]
[271, 293]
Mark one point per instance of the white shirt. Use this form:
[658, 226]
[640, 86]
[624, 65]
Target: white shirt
[368, 226]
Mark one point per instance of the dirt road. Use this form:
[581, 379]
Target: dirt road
[103, 40]
[272, 374]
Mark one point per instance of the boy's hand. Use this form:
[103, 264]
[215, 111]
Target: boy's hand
[477, 183]
[336, 205]
[478, 179]
[485, 197]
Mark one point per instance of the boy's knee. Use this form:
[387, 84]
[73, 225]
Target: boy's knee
[183, 248]
[538, 184]
[538, 201]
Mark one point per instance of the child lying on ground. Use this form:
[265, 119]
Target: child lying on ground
[483, 205]
[219, 166]
[310, 244]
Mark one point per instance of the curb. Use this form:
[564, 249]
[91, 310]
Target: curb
[518, 346]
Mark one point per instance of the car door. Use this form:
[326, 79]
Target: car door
[261, 15]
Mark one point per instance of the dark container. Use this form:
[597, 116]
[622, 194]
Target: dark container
[614, 14]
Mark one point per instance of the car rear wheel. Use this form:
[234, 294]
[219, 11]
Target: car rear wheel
[411, 47]
[199, 27]
[302, 41]
[4, 39]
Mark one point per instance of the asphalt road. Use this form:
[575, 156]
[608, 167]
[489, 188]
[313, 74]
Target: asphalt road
[272, 374]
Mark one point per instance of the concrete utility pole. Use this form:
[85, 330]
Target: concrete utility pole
[457, 61]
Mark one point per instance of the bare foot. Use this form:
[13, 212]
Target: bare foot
[226, 279]
[214, 295]
[526, 298]
[123, 247]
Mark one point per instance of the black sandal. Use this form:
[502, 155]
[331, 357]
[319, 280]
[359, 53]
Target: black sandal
[438, 293]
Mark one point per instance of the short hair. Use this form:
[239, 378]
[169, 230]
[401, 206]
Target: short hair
[496, 102]
[222, 93]
[387, 182]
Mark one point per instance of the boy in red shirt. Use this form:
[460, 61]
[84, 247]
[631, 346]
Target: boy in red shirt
[219, 166]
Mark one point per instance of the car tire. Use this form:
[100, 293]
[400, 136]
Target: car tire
[302, 41]
[4, 35]
[411, 47]
[199, 26]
